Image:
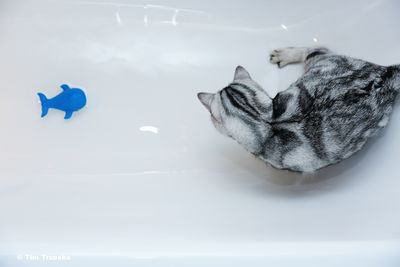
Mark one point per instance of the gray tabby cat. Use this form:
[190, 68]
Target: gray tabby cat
[324, 117]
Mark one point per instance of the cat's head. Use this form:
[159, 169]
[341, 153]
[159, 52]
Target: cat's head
[236, 110]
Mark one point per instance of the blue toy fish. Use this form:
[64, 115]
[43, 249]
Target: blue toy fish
[69, 100]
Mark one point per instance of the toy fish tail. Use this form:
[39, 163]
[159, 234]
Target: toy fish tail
[45, 107]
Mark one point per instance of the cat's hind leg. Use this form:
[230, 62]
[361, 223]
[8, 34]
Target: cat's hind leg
[288, 55]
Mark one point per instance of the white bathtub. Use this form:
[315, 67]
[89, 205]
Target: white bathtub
[102, 189]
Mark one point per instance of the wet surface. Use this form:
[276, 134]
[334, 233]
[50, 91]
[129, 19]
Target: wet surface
[142, 164]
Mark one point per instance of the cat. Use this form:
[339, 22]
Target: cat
[326, 116]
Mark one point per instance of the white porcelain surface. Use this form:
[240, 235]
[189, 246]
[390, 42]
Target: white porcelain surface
[141, 178]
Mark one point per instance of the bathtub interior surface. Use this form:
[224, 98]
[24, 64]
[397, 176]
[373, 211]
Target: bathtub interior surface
[140, 174]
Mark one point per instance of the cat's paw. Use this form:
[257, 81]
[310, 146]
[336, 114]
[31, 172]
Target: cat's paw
[283, 56]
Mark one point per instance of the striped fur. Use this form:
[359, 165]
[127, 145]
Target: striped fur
[324, 117]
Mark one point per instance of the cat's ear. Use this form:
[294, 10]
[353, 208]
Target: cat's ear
[205, 99]
[241, 74]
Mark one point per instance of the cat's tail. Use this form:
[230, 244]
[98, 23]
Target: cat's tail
[44, 102]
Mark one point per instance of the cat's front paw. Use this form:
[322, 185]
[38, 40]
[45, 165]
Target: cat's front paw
[282, 56]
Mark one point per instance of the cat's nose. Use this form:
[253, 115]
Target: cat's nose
[205, 99]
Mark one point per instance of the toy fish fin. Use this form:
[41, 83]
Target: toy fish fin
[44, 102]
[65, 87]
[68, 115]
